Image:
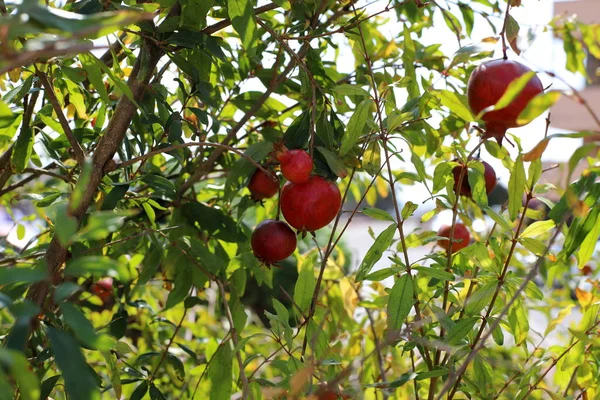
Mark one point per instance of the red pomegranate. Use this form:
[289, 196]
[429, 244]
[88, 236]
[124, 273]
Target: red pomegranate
[273, 241]
[262, 186]
[489, 175]
[296, 165]
[103, 288]
[461, 237]
[310, 205]
[487, 84]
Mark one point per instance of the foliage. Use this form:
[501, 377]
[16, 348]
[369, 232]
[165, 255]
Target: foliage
[133, 165]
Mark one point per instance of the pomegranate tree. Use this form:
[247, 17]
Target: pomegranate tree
[489, 175]
[461, 237]
[310, 205]
[273, 241]
[262, 186]
[296, 165]
[487, 84]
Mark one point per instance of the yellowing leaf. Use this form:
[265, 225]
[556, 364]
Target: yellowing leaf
[537, 151]
[559, 318]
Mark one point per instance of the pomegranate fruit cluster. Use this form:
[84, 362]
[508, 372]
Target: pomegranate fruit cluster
[488, 83]
[308, 202]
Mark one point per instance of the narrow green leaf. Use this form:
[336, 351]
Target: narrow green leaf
[381, 244]
[460, 331]
[356, 125]
[79, 382]
[94, 74]
[516, 188]
[457, 104]
[400, 302]
[434, 272]
[538, 105]
[98, 266]
[23, 149]
[243, 20]
[588, 246]
[220, 373]
[305, 285]
[480, 298]
[350, 90]
[538, 228]
[378, 214]
[513, 90]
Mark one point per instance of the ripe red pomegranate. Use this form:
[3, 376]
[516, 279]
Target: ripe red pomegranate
[310, 205]
[296, 165]
[261, 186]
[489, 175]
[103, 288]
[273, 241]
[461, 237]
[487, 84]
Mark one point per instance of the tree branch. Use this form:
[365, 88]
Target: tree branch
[80, 155]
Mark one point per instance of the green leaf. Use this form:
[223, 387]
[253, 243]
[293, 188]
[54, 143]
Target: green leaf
[140, 391]
[381, 244]
[574, 50]
[183, 284]
[408, 210]
[7, 117]
[537, 106]
[297, 134]
[79, 382]
[382, 274]
[409, 55]
[220, 373]
[356, 125]
[98, 266]
[513, 90]
[48, 386]
[22, 275]
[305, 285]
[378, 214]
[83, 328]
[350, 90]
[468, 17]
[538, 228]
[94, 73]
[434, 272]
[460, 331]
[213, 221]
[400, 302]
[336, 165]
[518, 320]
[113, 372]
[243, 20]
[483, 375]
[23, 149]
[20, 370]
[155, 393]
[457, 104]
[588, 246]
[535, 246]
[497, 218]
[516, 188]
[480, 298]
